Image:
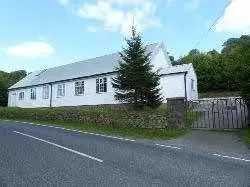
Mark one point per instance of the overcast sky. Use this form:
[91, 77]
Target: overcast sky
[37, 34]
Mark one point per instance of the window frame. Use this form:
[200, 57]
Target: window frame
[192, 84]
[79, 87]
[33, 93]
[101, 85]
[21, 96]
[60, 91]
[45, 94]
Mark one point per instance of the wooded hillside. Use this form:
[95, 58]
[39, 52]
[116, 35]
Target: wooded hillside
[225, 71]
[7, 80]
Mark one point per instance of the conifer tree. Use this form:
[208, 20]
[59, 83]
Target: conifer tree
[136, 82]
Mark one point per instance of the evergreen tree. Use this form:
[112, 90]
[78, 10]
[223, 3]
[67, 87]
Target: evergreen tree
[136, 82]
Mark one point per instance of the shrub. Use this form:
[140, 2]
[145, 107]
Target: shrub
[150, 118]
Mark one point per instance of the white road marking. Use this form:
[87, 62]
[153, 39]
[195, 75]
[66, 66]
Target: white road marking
[235, 158]
[95, 134]
[168, 146]
[59, 146]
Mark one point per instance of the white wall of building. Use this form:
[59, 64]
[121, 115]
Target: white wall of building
[27, 102]
[160, 61]
[90, 97]
[172, 86]
[192, 94]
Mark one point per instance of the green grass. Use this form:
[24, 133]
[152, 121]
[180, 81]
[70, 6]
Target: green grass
[136, 133]
[190, 117]
[246, 136]
[219, 94]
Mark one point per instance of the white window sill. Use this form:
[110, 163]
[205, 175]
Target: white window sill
[79, 95]
[102, 92]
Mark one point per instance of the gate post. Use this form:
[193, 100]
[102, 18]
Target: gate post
[177, 110]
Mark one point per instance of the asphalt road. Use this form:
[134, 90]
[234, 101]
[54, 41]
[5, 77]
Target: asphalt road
[43, 156]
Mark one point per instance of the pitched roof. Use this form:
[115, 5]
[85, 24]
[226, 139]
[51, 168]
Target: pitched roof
[94, 66]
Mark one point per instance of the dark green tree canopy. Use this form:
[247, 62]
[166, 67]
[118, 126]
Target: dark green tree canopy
[194, 52]
[7, 80]
[136, 82]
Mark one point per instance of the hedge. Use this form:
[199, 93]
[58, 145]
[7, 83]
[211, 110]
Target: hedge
[158, 118]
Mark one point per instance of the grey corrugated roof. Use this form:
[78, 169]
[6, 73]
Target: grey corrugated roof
[98, 65]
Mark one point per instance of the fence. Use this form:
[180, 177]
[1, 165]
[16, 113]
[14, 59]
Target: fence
[218, 113]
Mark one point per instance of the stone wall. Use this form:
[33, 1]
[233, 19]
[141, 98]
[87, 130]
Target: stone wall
[176, 109]
[167, 116]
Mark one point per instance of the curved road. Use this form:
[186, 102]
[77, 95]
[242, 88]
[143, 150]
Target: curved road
[33, 155]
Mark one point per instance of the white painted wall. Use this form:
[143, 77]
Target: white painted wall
[160, 61]
[172, 86]
[90, 97]
[192, 94]
[27, 102]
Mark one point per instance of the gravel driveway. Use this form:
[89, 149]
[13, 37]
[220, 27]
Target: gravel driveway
[220, 142]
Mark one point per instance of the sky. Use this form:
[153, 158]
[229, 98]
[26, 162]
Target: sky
[39, 34]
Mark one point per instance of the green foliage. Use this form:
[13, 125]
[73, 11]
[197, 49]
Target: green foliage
[7, 80]
[171, 58]
[194, 52]
[3, 94]
[128, 118]
[245, 135]
[225, 71]
[136, 82]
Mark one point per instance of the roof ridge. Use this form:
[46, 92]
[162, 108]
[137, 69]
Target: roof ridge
[88, 59]
[87, 67]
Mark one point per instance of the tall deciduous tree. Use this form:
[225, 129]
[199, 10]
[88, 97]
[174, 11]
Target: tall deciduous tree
[136, 82]
[7, 80]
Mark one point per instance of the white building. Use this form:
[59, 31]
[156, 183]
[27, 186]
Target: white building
[89, 82]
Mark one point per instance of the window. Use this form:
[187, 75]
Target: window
[45, 92]
[33, 93]
[60, 90]
[192, 84]
[21, 95]
[101, 85]
[79, 88]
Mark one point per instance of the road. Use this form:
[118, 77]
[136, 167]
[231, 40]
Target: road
[33, 155]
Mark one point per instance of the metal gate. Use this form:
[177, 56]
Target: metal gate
[218, 113]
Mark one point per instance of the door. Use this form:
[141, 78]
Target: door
[13, 100]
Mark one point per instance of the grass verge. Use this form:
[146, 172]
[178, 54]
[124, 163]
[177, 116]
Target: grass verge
[136, 133]
[219, 94]
[246, 136]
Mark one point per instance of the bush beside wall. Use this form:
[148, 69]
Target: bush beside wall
[125, 117]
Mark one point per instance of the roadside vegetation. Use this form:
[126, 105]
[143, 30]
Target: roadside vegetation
[219, 94]
[245, 135]
[145, 124]
[124, 132]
